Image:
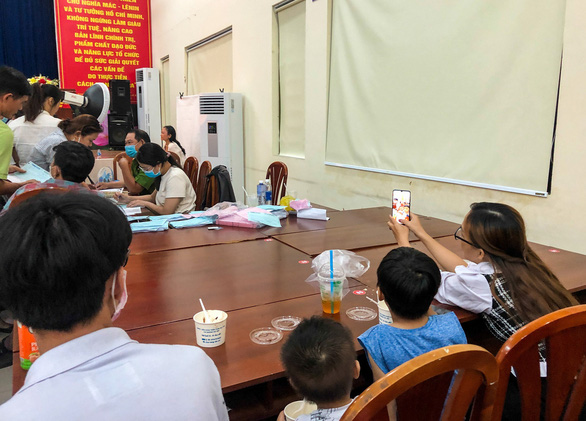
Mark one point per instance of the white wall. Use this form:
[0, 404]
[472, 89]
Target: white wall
[559, 220]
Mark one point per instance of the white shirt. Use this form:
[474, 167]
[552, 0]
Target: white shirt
[28, 133]
[467, 288]
[107, 376]
[175, 183]
[174, 147]
[331, 414]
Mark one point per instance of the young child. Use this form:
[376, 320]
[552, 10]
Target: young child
[408, 280]
[320, 361]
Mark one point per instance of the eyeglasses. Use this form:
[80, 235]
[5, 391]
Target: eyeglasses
[458, 236]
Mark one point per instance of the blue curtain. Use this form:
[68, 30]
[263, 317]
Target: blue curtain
[27, 36]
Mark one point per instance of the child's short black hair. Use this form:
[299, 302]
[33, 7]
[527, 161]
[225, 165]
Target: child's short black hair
[409, 279]
[75, 161]
[319, 358]
[13, 82]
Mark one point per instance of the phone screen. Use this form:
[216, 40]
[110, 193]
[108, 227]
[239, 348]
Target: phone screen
[401, 204]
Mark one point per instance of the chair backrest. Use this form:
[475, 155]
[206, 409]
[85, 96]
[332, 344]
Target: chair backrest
[31, 193]
[115, 163]
[191, 168]
[563, 333]
[175, 157]
[277, 173]
[204, 170]
[438, 385]
[212, 192]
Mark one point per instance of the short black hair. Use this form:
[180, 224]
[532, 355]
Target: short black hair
[141, 135]
[409, 279]
[13, 82]
[75, 161]
[58, 251]
[319, 359]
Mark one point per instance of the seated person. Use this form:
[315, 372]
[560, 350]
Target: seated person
[88, 369]
[408, 280]
[174, 192]
[83, 129]
[171, 144]
[71, 165]
[37, 122]
[14, 92]
[320, 361]
[134, 180]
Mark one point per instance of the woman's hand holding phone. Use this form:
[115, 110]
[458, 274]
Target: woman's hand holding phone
[400, 230]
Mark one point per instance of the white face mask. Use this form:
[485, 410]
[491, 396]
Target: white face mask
[118, 307]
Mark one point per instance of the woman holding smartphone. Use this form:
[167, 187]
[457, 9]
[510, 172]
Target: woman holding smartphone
[498, 274]
[173, 190]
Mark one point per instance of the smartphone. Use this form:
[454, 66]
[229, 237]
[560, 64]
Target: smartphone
[401, 205]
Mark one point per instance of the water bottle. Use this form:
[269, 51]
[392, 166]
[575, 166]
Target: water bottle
[269, 192]
[261, 192]
[28, 348]
[99, 154]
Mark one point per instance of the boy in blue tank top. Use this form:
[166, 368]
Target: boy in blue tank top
[408, 280]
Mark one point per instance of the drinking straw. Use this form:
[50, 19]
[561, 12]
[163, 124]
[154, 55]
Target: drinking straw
[332, 279]
[205, 312]
[245, 192]
[370, 299]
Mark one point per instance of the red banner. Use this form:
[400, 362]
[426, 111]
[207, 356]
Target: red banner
[102, 40]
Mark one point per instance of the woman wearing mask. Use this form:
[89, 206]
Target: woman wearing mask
[37, 122]
[171, 144]
[83, 129]
[174, 192]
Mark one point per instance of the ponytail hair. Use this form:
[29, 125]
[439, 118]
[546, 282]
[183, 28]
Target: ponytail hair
[171, 132]
[85, 123]
[40, 92]
[499, 230]
[152, 154]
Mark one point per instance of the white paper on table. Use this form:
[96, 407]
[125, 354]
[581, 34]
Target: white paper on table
[313, 213]
[132, 211]
[33, 172]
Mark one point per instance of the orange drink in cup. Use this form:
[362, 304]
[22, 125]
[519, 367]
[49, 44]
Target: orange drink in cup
[331, 287]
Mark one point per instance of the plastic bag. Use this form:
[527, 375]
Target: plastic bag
[352, 264]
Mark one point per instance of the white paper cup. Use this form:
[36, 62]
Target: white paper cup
[298, 408]
[384, 315]
[212, 334]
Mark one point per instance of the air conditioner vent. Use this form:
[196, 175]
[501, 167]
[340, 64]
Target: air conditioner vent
[139, 76]
[209, 104]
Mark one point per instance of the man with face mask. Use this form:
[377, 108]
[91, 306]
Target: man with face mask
[71, 165]
[68, 289]
[133, 179]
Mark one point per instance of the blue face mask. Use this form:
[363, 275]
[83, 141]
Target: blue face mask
[130, 150]
[5, 120]
[151, 174]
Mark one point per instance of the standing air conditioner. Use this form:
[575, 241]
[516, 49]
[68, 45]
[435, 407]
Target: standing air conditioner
[148, 102]
[220, 133]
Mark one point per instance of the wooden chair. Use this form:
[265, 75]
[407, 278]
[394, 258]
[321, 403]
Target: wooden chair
[277, 173]
[115, 163]
[189, 166]
[427, 388]
[212, 193]
[564, 334]
[204, 170]
[175, 157]
[32, 193]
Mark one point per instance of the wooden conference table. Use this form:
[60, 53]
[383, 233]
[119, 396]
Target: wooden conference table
[257, 275]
